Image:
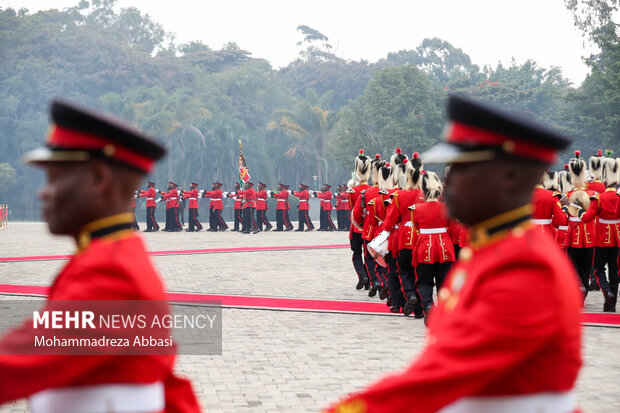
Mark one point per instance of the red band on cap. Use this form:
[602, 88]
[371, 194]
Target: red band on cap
[461, 133]
[75, 140]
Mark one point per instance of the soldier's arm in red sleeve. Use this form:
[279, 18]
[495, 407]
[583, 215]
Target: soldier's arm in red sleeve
[474, 347]
[591, 212]
[207, 194]
[358, 213]
[392, 217]
[559, 218]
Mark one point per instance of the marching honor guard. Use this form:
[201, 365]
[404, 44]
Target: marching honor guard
[433, 251]
[150, 194]
[172, 204]
[487, 351]
[94, 163]
[362, 172]
[262, 207]
[547, 212]
[398, 223]
[192, 195]
[304, 208]
[378, 279]
[606, 207]
[135, 225]
[580, 235]
[342, 208]
[326, 209]
[282, 207]
[249, 204]
[216, 223]
[237, 206]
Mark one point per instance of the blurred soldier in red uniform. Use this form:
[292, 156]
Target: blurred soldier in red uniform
[326, 208]
[172, 204]
[150, 194]
[262, 207]
[282, 207]
[249, 204]
[192, 195]
[606, 208]
[215, 208]
[304, 208]
[94, 163]
[237, 206]
[362, 172]
[486, 351]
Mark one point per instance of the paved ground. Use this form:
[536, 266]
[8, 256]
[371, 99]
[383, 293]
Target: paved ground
[282, 361]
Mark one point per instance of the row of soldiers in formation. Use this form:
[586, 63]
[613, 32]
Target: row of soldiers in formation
[404, 242]
[250, 208]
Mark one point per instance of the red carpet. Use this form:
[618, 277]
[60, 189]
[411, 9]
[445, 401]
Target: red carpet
[296, 304]
[182, 252]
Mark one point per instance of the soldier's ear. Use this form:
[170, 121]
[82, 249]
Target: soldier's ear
[101, 176]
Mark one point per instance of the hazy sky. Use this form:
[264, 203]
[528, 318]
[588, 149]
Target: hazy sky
[487, 30]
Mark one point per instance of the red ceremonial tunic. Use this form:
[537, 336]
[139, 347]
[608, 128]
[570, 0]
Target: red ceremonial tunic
[113, 267]
[596, 186]
[171, 198]
[326, 200]
[150, 196]
[261, 200]
[547, 213]
[353, 195]
[303, 199]
[377, 211]
[249, 198]
[579, 234]
[433, 243]
[399, 217]
[339, 199]
[193, 198]
[282, 198]
[216, 199]
[360, 213]
[607, 209]
[485, 350]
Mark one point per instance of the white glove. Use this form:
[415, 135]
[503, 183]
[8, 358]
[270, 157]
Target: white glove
[269, 192]
[158, 200]
[618, 191]
[157, 191]
[290, 192]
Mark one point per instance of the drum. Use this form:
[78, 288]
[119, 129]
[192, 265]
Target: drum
[378, 248]
[583, 197]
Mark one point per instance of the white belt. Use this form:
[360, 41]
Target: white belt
[574, 219]
[216, 199]
[149, 199]
[541, 221]
[409, 224]
[609, 221]
[345, 200]
[192, 199]
[281, 200]
[433, 230]
[563, 227]
[303, 200]
[533, 403]
[396, 226]
[117, 398]
[171, 199]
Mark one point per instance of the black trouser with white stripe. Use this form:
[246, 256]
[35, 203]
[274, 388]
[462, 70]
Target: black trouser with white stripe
[194, 224]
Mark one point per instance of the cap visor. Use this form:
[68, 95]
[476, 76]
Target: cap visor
[447, 153]
[44, 154]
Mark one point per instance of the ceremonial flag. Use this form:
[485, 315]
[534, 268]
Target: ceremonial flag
[244, 174]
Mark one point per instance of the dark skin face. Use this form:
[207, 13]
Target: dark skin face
[477, 191]
[76, 194]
